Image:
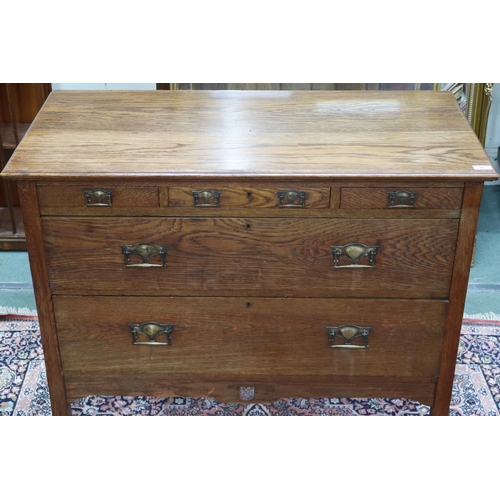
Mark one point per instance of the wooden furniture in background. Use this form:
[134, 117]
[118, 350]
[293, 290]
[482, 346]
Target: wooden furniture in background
[305, 244]
[19, 104]
[295, 86]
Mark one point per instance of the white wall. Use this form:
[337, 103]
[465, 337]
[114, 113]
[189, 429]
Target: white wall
[103, 86]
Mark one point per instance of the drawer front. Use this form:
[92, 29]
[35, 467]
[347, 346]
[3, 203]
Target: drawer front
[249, 336]
[296, 197]
[401, 198]
[263, 388]
[254, 256]
[96, 197]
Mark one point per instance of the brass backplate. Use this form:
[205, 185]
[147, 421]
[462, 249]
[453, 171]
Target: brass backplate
[152, 332]
[144, 252]
[206, 198]
[347, 334]
[402, 199]
[98, 198]
[292, 199]
[356, 255]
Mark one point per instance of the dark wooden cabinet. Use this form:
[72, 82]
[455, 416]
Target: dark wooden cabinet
[19, 105]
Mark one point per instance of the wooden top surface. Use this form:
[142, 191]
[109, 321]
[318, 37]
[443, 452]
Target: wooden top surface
[250, 134]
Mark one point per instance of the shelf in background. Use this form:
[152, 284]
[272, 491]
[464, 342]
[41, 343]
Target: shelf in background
[9, 241]
[7, 134]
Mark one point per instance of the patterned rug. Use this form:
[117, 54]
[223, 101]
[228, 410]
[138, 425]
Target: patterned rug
[23, 385]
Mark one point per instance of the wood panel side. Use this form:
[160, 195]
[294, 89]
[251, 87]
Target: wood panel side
[459, 281]
[36, 251]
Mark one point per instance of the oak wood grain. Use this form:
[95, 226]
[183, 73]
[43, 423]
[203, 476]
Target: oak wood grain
[251, 288]
[273, 257]
[460, 276]
[62, 195]
[163, 197]
[335, 198]
[378, 198]
[38, 266]
[250, 196]
[250, 336]
[196, 212]
[267, 388]
[249, 135]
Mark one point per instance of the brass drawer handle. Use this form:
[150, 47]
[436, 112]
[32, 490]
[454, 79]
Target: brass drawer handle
[402, 199]
[347, 333]
[98, 198]
[152, 332]
[352, 253]
[292, 199]
[206, 198]
[144, 252]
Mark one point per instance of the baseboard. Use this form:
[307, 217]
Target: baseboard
[491, 316]
[17, 311]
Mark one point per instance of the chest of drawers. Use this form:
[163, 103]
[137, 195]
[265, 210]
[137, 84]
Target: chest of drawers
[250, 245]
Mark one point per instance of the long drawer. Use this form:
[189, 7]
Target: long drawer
[245, 337]
[249, 196]
[255, 256]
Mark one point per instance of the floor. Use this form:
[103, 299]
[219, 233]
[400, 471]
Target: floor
[483, 296]
[483, 293]
[16, 286]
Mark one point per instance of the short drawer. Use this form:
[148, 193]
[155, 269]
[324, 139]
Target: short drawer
[291, 257]
[401, 198]
[296, 197]
[249, 336]
[96, 197]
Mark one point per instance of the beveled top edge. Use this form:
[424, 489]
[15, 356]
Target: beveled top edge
[148, 179]
[250, 134]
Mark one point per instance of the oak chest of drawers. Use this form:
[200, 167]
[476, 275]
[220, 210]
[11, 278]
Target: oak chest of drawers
[250, 245]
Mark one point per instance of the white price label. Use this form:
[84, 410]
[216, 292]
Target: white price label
[482, 167]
